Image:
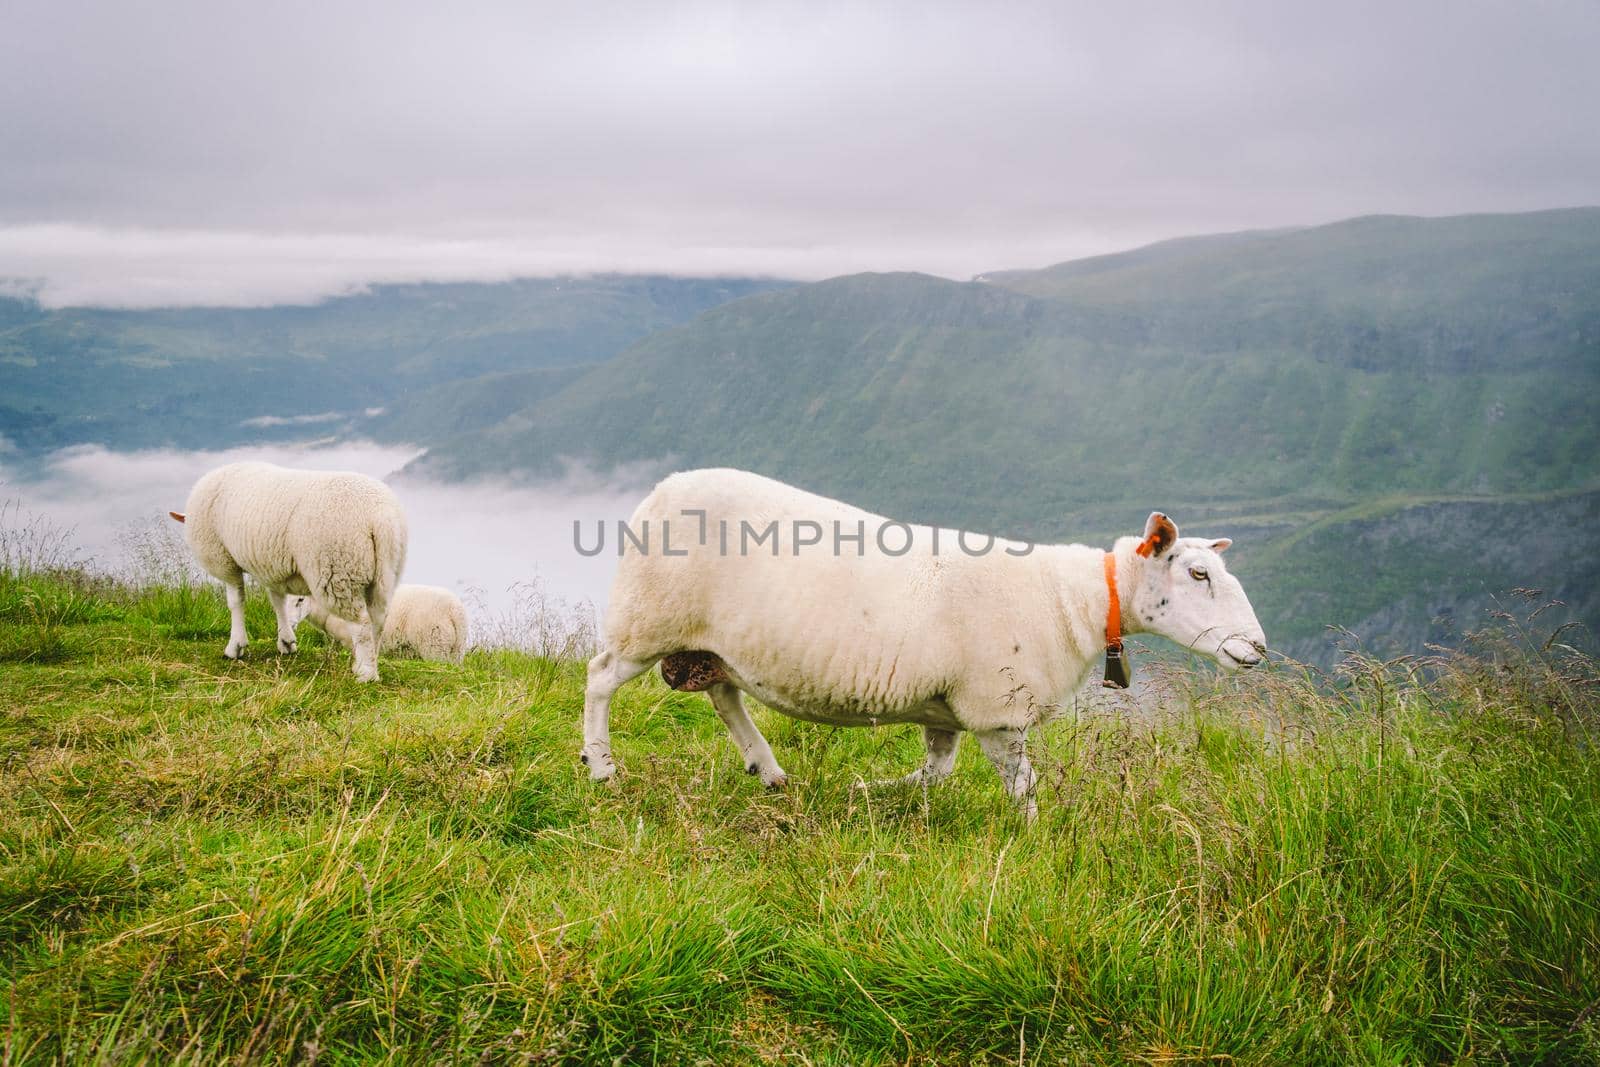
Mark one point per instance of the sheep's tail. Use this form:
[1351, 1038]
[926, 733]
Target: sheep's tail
[458, 623]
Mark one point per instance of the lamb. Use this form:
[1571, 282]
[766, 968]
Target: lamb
[425, 621]
[886, 622]
[334, 536]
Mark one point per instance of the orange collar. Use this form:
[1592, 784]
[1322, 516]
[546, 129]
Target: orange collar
[1114, 609]
[1118, 672]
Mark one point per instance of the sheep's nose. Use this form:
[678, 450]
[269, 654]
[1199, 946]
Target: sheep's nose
[1251, 658]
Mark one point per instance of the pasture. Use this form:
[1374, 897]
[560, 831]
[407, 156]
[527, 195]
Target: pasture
[266, 861]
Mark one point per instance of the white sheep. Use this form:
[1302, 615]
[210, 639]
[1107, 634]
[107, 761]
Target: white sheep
[334, 536]
[828, 613]
[425, 621]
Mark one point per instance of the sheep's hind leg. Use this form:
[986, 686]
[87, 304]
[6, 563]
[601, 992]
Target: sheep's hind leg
[237, 638]
[377, 599]
[332, 625]
[757, 754]
[286, 635]
[363, 646]
[940, 761]
[608, 672]
[1007, 750]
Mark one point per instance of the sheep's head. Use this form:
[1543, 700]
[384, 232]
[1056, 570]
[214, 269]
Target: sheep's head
[1180, 589]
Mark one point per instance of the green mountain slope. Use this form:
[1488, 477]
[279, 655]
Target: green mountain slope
[1467, 293]
[194, 376]
[970, 403]
[1282, 379]
[1404, 573]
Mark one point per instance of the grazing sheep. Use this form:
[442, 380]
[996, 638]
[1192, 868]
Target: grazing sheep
[831, 614]
[335, 536]
[425, 621]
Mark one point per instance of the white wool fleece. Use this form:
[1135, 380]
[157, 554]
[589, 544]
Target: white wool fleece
[335, 536]
[850, 619]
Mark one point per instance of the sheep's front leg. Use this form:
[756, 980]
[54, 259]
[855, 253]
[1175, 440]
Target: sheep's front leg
[237, 638]
[1007, 749]
[753, 748]
[940, 761]
[608, 672]
[286, 622]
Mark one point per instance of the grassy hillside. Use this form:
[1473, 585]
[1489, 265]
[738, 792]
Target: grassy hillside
[970, 405]
[1369, 357]
[265, 861]
[192, 376]
[452, 408]
[1467, 293]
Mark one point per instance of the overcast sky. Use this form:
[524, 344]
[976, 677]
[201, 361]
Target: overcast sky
[218, 152]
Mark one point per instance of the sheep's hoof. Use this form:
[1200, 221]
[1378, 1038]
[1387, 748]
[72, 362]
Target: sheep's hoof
[367, 676]
[235, 649]
[288, 647]
[601, 767]
[772, 779]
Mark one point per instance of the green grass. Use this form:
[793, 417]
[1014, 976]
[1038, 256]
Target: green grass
[264, 861]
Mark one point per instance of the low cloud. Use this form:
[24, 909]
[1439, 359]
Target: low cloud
[227, 155]
[72, 265]
[490, 543]
[263, 422]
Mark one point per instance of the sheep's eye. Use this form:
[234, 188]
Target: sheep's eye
[1199, 574]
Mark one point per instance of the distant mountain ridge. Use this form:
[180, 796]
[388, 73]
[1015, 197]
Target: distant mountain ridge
[1254, 380]
[192, 377]
[1365, 387]
[1454, 293]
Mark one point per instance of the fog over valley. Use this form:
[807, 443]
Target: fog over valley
[505, 550]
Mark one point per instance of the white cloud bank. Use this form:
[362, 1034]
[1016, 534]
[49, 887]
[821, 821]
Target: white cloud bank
[230, 154]
[484, 541]
[71, 265]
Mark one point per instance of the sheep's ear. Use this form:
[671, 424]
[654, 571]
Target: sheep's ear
[177, 515]
[1159, 535]
[1221, 544]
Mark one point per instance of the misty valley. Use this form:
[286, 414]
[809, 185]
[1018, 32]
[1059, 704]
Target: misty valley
[1393, 417]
